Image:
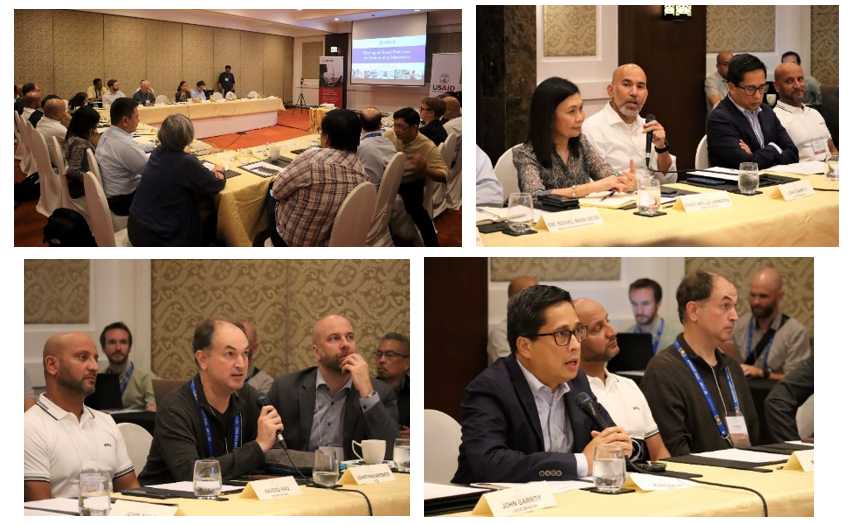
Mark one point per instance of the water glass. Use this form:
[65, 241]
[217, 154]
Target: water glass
[832, 167]
[94, 495]
[402, 454]
[326, 467]
[749, 178]
[609, 470]
[520, 213]
[207, 479]
[648, 196]
[274, 152]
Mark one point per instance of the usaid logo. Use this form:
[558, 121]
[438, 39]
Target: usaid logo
[445, 79]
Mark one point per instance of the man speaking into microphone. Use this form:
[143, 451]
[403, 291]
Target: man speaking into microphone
[520, 420]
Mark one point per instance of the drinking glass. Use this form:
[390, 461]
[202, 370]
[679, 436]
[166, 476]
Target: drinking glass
[749, 178]
[94, 495]
[648, 196]
[520, 212]
[770, 99]
[609, 471]
[402, 454]
[207, 479]
[832, 167]
[326, 467]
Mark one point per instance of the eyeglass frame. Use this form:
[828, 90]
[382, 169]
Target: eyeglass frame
[572, 332]
[763, 89]
[397, 128]
[389, 354]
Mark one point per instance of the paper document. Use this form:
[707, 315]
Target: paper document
[57, 504]
[801, 168]
[555, 487]
[489, 215]
[747, 456]
[600, 199]
[800, 443]
[434, 490]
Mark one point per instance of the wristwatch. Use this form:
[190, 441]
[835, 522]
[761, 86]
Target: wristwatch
[574, 191]
[665, 149]
[373, 393]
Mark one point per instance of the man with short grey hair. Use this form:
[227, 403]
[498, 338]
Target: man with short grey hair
[145, 95]
[374, 151]
[392, 365]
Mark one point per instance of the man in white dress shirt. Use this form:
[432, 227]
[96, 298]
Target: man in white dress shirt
[805, 125]
[489, 190]
[618, 133]
[49, 126]
[113, 92]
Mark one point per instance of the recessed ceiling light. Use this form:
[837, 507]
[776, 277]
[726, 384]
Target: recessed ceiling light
[336, 19]
[416, 10]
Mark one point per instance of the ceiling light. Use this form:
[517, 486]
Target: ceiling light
[336, 19]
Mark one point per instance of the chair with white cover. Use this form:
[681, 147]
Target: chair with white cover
[28, 165]
[18, 140]
[162, 100]
[137, 441]
[379, 234]
[507, 174]
[48, 180]
[702, 161]
[230, 95]
[216, 96]
[252, 94]
[99, 214]
[438, 189]
[441, 447]
[454, 182]
[353, 219]
[79, 204]
[119, 222]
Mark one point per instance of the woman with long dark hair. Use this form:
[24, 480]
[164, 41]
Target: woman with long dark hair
[182, 94]
[77, 101]
[77, 143]
[557, 158]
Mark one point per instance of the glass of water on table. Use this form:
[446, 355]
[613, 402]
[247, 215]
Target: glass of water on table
[207, 479]
[609, 470]
[520, 214]
[94, 498]
[402, 454]
[326, 466]
[749, 178]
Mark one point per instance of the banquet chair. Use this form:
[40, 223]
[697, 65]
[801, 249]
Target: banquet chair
[230, 95]
[701, 159]
[507, 174]
[252, 94]
[119, 222]
[28, 165]
[51, 196]
[100, 215]
[216, 96]
[79, 204]
[434, 200]
[454, 182]
[137, 441]
[161, 100]
[379, 234]
[441, 450]
[18, 140]
[352, 222]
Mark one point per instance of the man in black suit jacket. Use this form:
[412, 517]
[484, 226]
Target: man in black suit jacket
[733, 127]
[505, 410]
[309, 401]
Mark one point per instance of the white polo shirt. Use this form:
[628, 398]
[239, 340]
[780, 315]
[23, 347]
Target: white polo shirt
[626, 404]
[807, 130]
[57, 447]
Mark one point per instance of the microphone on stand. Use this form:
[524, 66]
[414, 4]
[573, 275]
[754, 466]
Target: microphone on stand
[648, 139]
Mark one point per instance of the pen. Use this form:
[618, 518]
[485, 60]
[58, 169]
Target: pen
[608, 195]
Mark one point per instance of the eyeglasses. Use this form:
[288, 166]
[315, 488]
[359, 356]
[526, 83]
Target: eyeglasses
[563, 337]
[750, 90]
[424, 109]
[400, 127]
[390, 354]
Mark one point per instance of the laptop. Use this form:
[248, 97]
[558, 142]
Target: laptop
[164, 386]
[107, 394]
[635, 352]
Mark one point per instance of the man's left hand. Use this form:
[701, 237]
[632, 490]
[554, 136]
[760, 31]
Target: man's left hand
[360, 372]
[659, 133]
[751, 371]
[419, 162]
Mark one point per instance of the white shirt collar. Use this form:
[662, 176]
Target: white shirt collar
[791, 108]
[536, 386]
[59, 413]
[613, 118]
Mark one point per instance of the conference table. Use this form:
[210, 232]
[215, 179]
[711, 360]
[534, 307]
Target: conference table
[761, 220]
[787, 493]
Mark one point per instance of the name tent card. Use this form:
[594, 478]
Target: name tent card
[801, 459]
[367, 474]
[123, 507]
[271, 488]
[793, 190]
[650, 482]
[519, 500]
[703, 201]
[570, 219]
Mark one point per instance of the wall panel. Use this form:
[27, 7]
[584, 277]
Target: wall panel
[125, 55]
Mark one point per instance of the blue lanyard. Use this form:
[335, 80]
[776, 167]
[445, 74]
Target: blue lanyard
[703, 387]
[374, 134]
[237, 421]
[656, 337]
[126, 379]
[457, 116]
[765, 350]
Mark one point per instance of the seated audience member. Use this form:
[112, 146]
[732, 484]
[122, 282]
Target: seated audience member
[77, 101]
[145, 95]
[431, 111]
[38, 112]
[19, 96]
[78, 140]
[619, 395]
[308, 194]
[422, 159]
[198, 93]
[488, 187]
[646, 297]
[520, 421]
[113, 92]
[121, 159]
[29, 391]
[50, 124]
[805, 126]
[452, 120]
[557, 158]
[698, 394]
[32, 105]
[260, 380]
[784, 400]
[137, 387]
[214, 415]
[95, 92]
[498, 340]
[374, 151]
[769, 344]
[164, 210]
[62, 437]
[813, 89]
[716, 84]
[21, 102]
[744, 129]
[183, 94]
[619, 134]
[392, 365]
[335, 402]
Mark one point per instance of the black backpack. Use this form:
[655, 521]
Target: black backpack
[67, 227]
[28, 189]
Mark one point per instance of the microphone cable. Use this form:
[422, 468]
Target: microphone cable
[336, 488]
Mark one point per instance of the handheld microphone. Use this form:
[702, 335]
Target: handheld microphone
[648, 138]
[263, 401]
[584, 403]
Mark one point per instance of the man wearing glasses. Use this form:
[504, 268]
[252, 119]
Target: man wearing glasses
[431, 111]
[744, 129]
[392, 364]
[520, 422]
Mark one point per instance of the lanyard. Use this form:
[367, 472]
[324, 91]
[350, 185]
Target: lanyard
[457, 116]
[237, 421]
[656, 337]
[126, 379]
[765, 350]
[703, 387]
[374, 134]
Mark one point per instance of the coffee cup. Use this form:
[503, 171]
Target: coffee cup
[373, 449]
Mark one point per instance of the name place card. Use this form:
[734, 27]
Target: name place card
[794, 190]
[801, 459]
[650, 482]
[367, 474]
[123, 507]
[518, 500]
[703, 201]
[570, 220]
[271, 488]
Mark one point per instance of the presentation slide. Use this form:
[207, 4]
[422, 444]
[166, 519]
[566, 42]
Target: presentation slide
[389, 51]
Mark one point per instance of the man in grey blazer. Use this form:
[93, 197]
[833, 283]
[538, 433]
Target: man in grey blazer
[335, 402]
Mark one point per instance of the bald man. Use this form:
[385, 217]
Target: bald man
[619, 134]
[805, 126]
[374, 151]
[452, 119]
[716, 84]
[498, 341]
[145, 95]
[769, 343]
[336, 402]
[619, 395]
[32, 102]
[260, 380]
[62, 437]
[50, 124]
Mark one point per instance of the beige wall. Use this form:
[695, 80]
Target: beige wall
[56, 291]
[741, 28]
[825, 44]
[48, 51]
